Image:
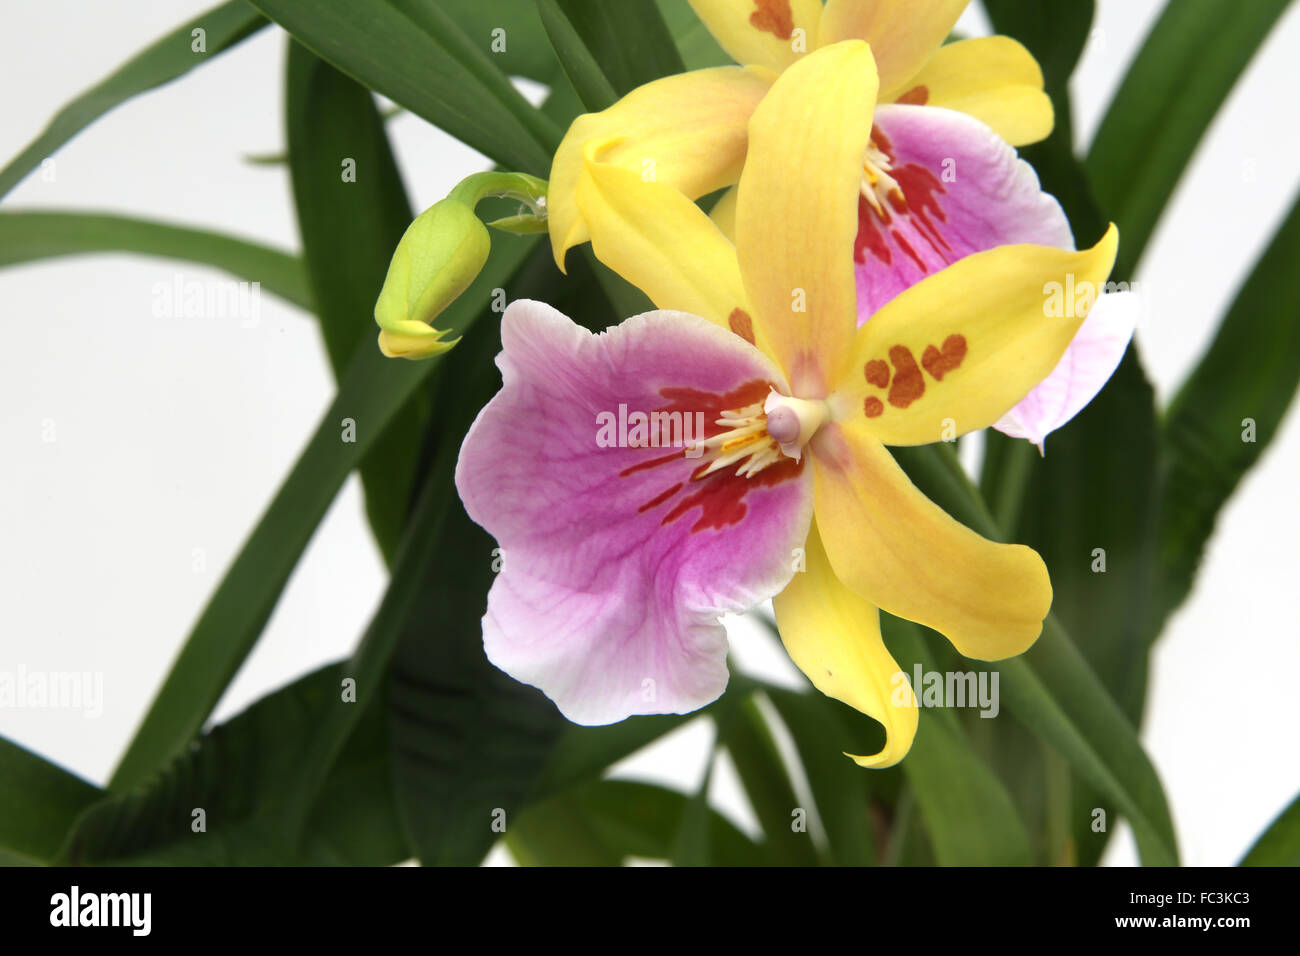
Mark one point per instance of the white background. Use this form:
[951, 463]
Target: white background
[171, 435]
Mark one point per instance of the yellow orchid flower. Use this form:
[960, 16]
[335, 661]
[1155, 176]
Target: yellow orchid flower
[620, 558]
[689, 131]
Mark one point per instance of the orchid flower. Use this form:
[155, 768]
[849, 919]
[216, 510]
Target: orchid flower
[618, 562]
[939, 181]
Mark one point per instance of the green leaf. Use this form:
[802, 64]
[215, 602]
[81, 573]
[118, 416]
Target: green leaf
[967, 812]
[469, 742]
[579, 63]
[1250, 371]
[698, 49]
[1188, 65]
[239, 774]
[1052, 690]
[840, 788]
[168, 58]
[1279, 845]
[413, 53]
[38, 804]
[604, 822]
[749, 740]
[371, 392]
[349, 227]
[31, 236]
[608, 51]
[520, 48]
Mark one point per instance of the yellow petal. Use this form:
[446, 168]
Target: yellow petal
[797, 210]
[900, 551]
[994, 79]
[770, 33]
[688, 131]
[903, 34]
[961, 348]
[834, 637]
[661, 242]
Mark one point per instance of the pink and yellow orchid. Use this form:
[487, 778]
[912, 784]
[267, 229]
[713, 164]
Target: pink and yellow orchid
[939, 181]
[620, 561]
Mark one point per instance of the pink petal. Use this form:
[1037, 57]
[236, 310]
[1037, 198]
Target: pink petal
[618, 563]
[965, 191]
[1087, 365]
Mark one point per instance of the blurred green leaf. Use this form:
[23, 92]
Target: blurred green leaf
[350, 226]
[1246, 380]
[607, 51]
[1175, 86]
[1279, 845]
[642, 820]
[371, 392]
[965, 809]
[469, 742]
[1053, 691]
[31, 236]
[38, 803]
[695, 43]
[748, 739]
[840, 788]
[414, 54]
[165, 60]
[238, 774]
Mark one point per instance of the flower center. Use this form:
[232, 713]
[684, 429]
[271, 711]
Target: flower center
[743, 439]
[878, 186]
[762, 434]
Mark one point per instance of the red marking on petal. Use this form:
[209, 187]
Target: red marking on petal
[916, 96]
[659, 499]
[721, 495]
[909, 383]
[774, 17]
[877, 373]
[742, 324]
[918, 203]
[869, 238]
[908, 250]
[940, 363]
[872, 407]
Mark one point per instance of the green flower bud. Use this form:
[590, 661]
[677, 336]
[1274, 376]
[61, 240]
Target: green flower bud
[440, 254]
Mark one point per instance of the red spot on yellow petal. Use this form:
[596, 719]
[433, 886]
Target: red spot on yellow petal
[940, 363]
[774, 17]
[909, 383]
[916, 96]
[742, 324]
[877, 373]
[872, 407]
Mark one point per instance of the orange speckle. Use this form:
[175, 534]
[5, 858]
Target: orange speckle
[877, 373]
[909, 383]
[774, 17]
[873, 407]
[741, 324]
[916, 96]
[940, 363]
